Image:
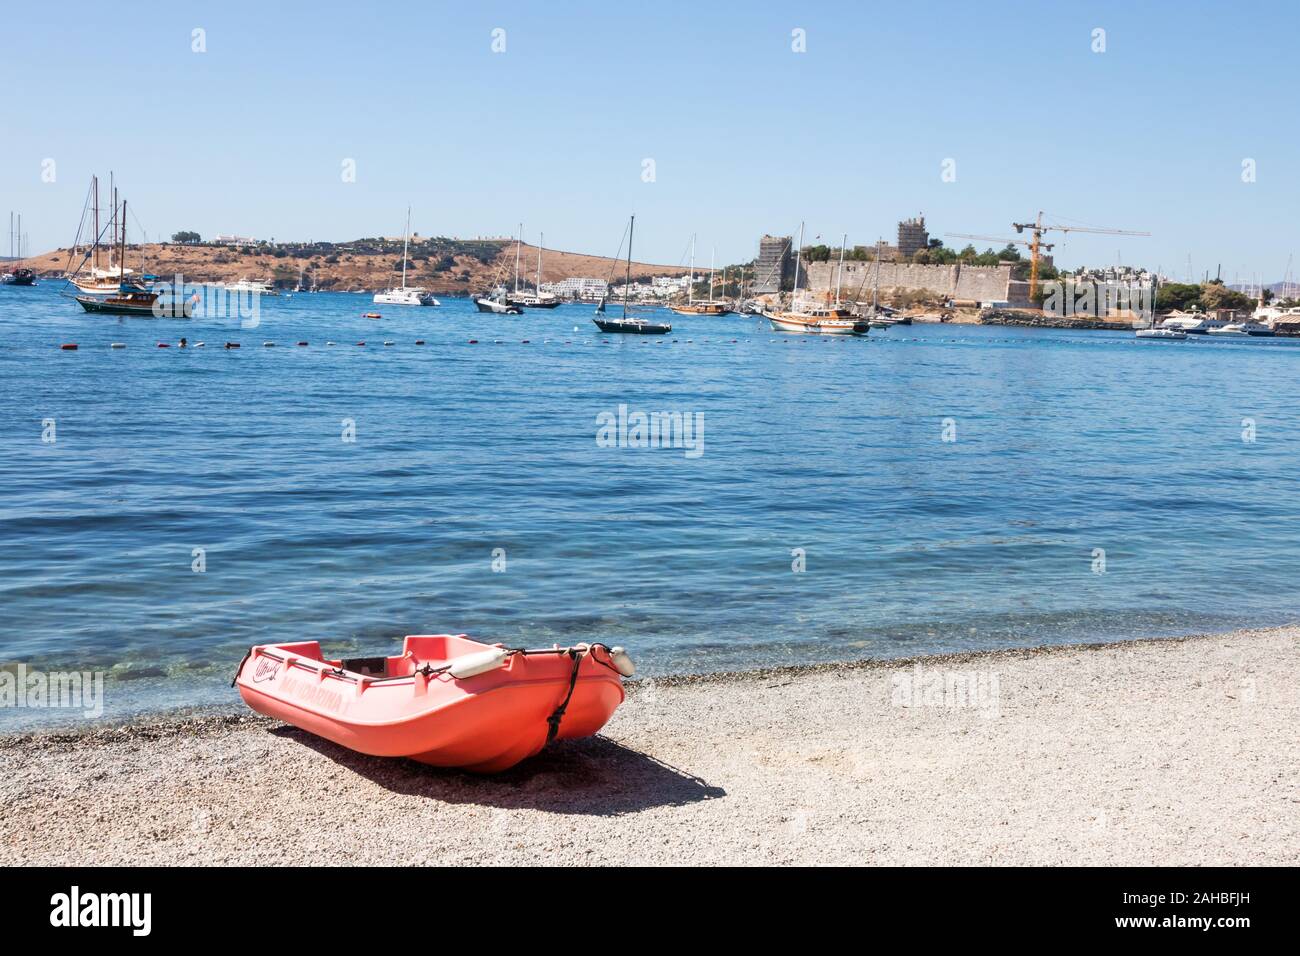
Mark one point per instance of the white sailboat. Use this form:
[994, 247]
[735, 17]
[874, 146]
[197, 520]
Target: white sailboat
[537, 299]
[412, 295]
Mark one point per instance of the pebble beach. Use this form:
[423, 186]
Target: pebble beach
[1160, 752]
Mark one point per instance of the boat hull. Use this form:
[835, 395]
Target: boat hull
[152, 310]
[622, 327]
[792, 322]
[497, 308]
[700, 309]
[484, 723]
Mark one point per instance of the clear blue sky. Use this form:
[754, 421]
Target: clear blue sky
[747, 136]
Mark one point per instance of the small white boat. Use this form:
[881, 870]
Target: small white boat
[255, 286]
[497, 305]
[403, 294]
[1161, 335]
[1242, 330]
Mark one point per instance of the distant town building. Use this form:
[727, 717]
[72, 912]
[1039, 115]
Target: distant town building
[774, 268]
[577, 288]
[912, 237]
[235, 240]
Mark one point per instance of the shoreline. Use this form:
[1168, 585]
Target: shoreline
[1172, 751]
[173, 719]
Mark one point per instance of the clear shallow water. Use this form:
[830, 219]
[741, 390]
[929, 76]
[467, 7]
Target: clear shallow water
[1066, 442]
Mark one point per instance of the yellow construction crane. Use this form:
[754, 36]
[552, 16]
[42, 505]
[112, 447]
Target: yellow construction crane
[1008, 242]
[1037, 229]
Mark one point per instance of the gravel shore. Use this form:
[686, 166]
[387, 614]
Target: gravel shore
[1151, 752]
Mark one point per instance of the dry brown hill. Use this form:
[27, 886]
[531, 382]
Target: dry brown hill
[446, 266]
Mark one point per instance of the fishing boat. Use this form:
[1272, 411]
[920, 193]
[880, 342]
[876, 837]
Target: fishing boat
[710, 306]
[827, 319]
[404, 295]
[497, 303]
[446, 700]
[629, 325]
[537, 299]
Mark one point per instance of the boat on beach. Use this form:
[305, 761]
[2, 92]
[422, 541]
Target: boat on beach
[446, 700]
[627, 324]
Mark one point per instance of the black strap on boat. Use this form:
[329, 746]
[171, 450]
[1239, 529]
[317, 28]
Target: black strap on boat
[247, 654]
[554, 720]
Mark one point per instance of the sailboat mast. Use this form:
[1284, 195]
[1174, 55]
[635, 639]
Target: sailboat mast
[121, 265]
[405, 243]
[518, 243]
[541, 240]
[627, 282]
[690, 289]
[797, 253]
[712, 255]
[839, 273]
[94, 252]
[875, 285]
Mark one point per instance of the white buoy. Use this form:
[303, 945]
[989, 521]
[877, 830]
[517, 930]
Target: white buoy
[622, 661]
[478, 663]
[118, 345]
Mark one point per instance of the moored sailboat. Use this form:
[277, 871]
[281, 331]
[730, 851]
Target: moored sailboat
[131, 298]
[404, 295]
[707, 307]
[825, 319]
[626, 324]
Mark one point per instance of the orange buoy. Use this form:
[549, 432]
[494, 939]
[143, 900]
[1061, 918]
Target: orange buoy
[69, 346]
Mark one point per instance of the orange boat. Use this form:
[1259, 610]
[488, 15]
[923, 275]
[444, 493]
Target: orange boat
[446, 700]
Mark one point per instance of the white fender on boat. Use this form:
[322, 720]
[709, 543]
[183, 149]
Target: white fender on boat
[479, 663]
[622, 661]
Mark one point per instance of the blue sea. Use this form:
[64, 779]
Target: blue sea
[927, 489]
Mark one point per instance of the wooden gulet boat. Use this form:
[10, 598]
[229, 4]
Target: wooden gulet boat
[131, 299]
[819, 320]
[445, 700]
[691, 307]
[626, 325]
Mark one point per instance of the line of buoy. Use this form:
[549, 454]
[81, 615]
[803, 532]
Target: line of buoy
[118, 345]
[69, 346]
[232, 345]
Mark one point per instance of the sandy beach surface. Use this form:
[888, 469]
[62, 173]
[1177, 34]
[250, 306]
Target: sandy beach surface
[1153, 752]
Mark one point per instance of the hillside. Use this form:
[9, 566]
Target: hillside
[443, 265]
